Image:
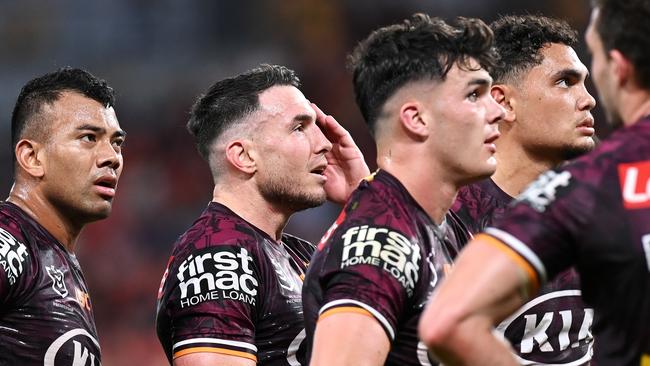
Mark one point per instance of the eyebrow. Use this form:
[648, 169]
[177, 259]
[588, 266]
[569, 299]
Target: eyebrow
[480, 81]
[570, 74]
[100, 130]
[303, 118]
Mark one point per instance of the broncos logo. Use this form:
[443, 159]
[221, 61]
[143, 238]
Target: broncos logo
[58, 285]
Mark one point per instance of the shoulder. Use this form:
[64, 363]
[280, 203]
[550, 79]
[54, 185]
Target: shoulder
[16, 230]
[626, 147]
[17, 252]
[11, 223]
[379, 199]
[218, 229]
[470, 195]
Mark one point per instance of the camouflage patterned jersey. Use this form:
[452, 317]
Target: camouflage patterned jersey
[553, 328]
[383, 257]
[231, 289]
[46, 317]
[594, 214]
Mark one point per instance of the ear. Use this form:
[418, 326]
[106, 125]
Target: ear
[621, 68]
[503, 95]
[29, 157]
[238, 154]
[410, 116]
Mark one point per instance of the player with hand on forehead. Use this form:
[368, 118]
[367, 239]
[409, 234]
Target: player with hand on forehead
[231, 293]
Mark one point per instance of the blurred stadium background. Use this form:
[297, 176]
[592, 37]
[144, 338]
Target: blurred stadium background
[159, 56]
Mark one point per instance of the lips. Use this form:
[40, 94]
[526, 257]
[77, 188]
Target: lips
[319, 172]
[105, 185]
[492, 138]
[489, 142]
[320, 169]
[587, 122]
[586, 127]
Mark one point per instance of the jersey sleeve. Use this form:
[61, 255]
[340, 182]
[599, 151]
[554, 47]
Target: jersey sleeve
[370, 270]
[541, 229]
[211, 297]
[16, 262]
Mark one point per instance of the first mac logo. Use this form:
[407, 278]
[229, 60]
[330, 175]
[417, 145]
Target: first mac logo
[635, 184]
[217, 273]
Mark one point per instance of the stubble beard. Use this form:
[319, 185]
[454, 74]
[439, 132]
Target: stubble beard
[573, 152]
[289, 195]
[80, 211]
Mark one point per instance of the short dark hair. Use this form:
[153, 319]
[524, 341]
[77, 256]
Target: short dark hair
[47, 89]
[231, 99]
[519, 40]
[623, 25]
[416, 49]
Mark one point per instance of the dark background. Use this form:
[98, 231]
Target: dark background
[159, 56]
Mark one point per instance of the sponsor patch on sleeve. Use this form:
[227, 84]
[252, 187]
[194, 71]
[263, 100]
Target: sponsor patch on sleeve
[635, 184]
[217, 274]
[384, 248]
[12, 256]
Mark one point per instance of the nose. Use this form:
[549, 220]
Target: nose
[587, 102]
[320, 142]
[109, 155]
[495, 112]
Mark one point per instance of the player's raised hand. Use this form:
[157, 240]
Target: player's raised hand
[345, 163]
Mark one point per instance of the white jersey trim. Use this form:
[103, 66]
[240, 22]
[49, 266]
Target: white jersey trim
[521, 248]
[371, 310]
[217, 341]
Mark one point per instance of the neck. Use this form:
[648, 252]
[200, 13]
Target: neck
[517, 168]
[31, 200]
[249, 204]
[634, 106]
[432, 192]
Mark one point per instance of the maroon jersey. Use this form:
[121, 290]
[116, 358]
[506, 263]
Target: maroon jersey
[553, 328]
[480, 204]
[383, 256]
[231, 289]
[594, 214]
[45, 313]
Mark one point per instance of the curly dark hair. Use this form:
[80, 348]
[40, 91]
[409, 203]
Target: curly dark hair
[418, 48]
[231, 99]
[623, 25]
[519, 40]
[47, 89]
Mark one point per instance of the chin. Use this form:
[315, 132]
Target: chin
[578, 150]
[481, 173]
[487, 172]
[316, 199]
[305, 202]
[488, 168]
[99, 213]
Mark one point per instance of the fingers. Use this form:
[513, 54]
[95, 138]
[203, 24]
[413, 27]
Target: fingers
[320, 115]
[329, 124]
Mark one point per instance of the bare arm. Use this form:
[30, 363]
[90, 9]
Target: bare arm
[486, 285]
[349, 339]
[212, 359]
[345, 164]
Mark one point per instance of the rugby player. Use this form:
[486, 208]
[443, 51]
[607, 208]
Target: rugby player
[593, 213]
[231, 294]
[67, 162]
[540, 83]
[423, 88]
